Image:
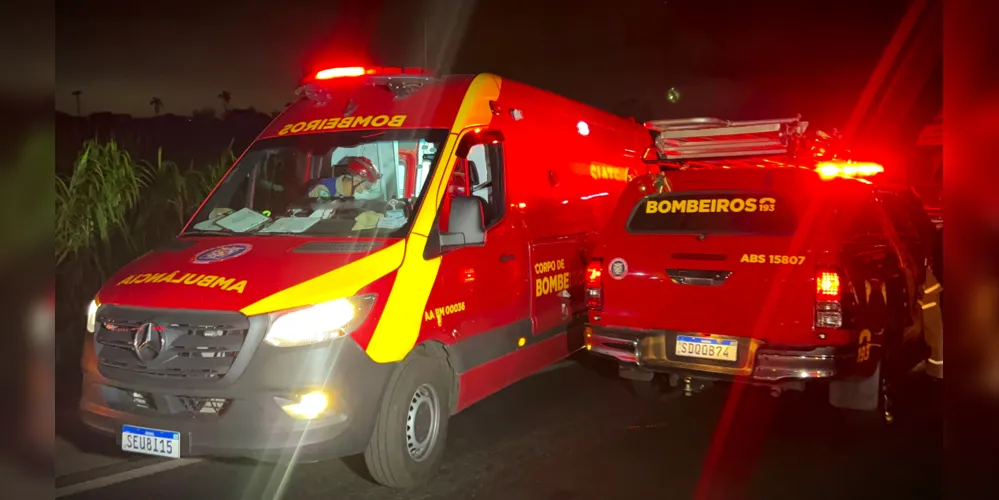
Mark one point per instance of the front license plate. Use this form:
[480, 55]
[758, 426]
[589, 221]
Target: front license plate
[150, 441]
[707, 348]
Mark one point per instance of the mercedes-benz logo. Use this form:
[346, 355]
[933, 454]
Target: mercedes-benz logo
[148, 342]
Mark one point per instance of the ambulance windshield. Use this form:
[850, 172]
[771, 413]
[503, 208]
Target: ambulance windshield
[339, 184]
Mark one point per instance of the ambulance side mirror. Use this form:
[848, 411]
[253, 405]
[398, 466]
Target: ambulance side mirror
[465, 226]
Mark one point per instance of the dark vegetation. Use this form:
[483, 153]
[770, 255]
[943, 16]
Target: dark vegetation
[125, 185]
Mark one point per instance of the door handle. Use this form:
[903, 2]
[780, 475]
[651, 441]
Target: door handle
[697, 277]
[507, 257]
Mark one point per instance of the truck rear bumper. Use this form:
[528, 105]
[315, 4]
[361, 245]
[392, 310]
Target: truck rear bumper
[821, 362]
[245, 418]
[757, 362]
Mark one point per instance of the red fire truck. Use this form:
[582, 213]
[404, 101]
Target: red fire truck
[759, 255]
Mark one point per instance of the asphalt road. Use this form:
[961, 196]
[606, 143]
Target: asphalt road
[577, 433]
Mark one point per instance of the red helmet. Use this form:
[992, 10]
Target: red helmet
[362, 167]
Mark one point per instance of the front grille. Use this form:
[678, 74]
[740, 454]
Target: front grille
[204, 406]
[145, 403]
[142, 401]
[184, 346]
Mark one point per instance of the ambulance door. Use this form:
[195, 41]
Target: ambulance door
[557, 266]
[557, 223]
[493, 275]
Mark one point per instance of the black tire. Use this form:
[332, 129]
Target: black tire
[394, 456]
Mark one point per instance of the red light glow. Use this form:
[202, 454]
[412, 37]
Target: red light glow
[830, 169]
[331, 73]
[827, 285]
[593, 273]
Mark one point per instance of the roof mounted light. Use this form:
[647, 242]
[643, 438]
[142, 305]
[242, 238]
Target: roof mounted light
[331, 73]
[356, 71]
[832, 169]
[401, 81]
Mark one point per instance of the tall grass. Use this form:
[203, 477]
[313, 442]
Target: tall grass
[177, 194]
[93, 204]
[113, 208]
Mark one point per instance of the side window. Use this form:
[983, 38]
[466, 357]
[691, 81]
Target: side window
[485, 175]
[477, 175]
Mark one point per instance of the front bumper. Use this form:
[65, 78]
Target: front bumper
[238, 415]
[757, 362]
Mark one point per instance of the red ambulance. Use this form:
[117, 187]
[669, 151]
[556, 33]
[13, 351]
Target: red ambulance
[393, 248]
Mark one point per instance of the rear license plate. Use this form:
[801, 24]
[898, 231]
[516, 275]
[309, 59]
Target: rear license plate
[707, 348]
[150, 441]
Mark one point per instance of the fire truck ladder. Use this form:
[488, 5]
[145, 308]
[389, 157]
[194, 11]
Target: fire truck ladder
[715, 138]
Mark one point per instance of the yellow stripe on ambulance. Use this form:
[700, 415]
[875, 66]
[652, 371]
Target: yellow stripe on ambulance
[398, 328]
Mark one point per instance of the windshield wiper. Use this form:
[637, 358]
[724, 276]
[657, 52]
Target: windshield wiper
[215, 232]
[208, 232]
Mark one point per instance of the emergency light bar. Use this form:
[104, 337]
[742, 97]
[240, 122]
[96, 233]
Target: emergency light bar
[328, 74]
[703, 138]
[355, 71]
[831, 169]
[401, 81]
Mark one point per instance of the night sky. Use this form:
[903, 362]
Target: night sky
[739, 59]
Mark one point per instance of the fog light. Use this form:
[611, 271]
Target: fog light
[309, 405]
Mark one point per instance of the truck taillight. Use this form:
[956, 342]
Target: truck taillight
[594, 284]
[828, 306]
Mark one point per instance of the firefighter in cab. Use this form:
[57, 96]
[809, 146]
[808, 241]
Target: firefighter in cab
[359, 180]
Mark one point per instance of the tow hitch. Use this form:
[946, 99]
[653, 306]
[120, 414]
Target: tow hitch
[690, 385]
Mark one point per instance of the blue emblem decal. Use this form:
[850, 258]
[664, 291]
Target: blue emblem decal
[218, 254]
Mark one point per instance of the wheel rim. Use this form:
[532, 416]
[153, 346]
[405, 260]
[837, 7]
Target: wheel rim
[422, 422]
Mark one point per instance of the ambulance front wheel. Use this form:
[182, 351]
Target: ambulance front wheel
[407, 444]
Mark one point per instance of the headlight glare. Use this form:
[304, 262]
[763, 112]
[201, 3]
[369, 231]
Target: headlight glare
[307, 407]
[92, 316]
[318, 323]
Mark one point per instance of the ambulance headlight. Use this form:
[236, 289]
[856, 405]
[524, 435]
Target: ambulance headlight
[319, 322]
[92, 316]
